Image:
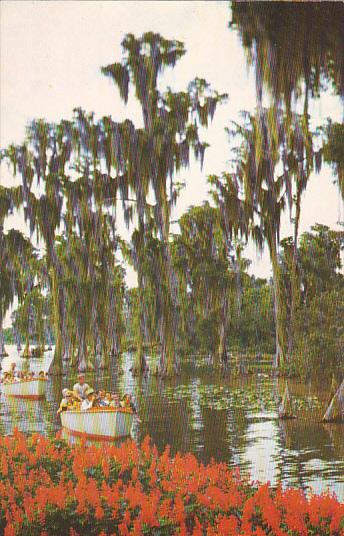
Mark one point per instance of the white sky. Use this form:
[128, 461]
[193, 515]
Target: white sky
[51, 53]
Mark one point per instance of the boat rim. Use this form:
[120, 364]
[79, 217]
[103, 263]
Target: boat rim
[27, 381]
[99, 410]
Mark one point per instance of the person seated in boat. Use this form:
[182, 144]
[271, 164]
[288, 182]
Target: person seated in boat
[30, 375]
[10, 377]
[115, 401]
[13, 369]
[41, 374]
[128, 403]
[20, 375]
[100, 400]
[66, 394]
[90, 401]
[6, 378]
[80, 388]
[108, 397]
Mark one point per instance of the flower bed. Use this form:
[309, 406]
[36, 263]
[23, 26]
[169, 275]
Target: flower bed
[49, 488]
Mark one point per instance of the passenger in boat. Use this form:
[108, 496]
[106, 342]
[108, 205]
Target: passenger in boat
[65, 402]
[9, 377]
[101, 398]
[128, 403]
[115, 401]
[108, 398]
[41, 374]
[80, 388]
[13, 370]
[89, 401]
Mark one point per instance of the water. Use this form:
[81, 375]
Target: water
[228, 419]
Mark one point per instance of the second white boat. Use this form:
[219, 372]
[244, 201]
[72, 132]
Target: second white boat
[31, 389]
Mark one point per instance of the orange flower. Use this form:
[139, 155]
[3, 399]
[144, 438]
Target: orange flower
[197, 530]
[227, 526]
[10, 530]
[153, 491]
[4, 465]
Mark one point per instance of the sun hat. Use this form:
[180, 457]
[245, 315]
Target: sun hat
[65, 392]
[89, 391]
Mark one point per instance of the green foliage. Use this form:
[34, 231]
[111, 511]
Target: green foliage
[333, 150]
[8, 336]
[318, 329]
[252, 329]
[293, 44]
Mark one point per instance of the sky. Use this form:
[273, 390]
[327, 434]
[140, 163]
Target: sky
[51, 54]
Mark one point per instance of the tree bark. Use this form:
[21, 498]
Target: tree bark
[335, 411]
[295, 283]
[140, 364]
[170, 365]
[3, 352]
[279, 309]
[222, 356]
[285, 411]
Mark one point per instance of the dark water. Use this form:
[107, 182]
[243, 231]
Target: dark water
[232, 420]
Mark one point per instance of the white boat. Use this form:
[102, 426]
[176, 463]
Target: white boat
[98, 423]
[33, 388]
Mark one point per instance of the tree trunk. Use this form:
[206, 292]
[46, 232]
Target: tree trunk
[140, 364]
[335, 411]
[295, 282]
[3, 352]
[112, 331]
[279, 308]
[59, 317]
[56, 368]
[222, 357]
[17, 339]
[166, 369]
[90, 361]
[26, 352]
[170, 327]
[74, 357]
[285, 411]
[82, 352]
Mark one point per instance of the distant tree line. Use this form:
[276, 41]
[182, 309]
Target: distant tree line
[77, 177]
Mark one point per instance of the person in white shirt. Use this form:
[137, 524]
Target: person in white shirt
[88, 402]
[80, 388]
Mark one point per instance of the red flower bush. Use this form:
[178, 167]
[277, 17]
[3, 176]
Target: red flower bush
[48, 488]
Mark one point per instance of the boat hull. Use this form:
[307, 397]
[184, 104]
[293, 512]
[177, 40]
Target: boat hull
[102, 424]
[31, 389]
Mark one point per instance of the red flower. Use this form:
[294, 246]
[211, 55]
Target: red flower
[227, 526]
[10, 530]
[4, 465]
[177, 492]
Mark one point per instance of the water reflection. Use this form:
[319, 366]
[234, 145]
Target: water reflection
[233, 420]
